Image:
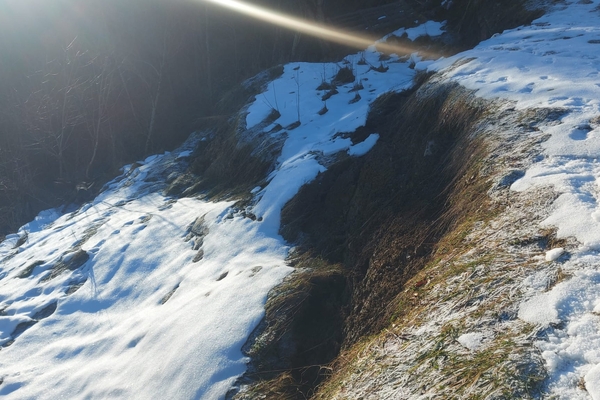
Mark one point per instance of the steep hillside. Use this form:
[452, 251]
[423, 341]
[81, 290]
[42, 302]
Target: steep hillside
[383, 227]
[506, 306]
[435, 250]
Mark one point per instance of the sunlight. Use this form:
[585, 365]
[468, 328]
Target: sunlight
[318, 30]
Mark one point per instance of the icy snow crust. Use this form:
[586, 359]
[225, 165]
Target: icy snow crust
[113, 337]
[555, 63]
[147, 321]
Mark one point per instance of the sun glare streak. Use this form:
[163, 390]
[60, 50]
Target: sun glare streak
[317, 30]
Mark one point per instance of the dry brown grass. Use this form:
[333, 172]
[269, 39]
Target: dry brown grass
[471, 283]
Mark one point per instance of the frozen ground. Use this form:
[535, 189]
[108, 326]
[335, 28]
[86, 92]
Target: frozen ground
[555, 64]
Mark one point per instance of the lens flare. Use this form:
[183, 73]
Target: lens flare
[318, 30]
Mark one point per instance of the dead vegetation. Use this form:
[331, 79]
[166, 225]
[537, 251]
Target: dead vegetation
[300, 333]
[230, 160]
[365, 227]
[472, 283]
[426, 243]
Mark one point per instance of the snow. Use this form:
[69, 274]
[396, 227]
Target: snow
[592, 382]
[148, 321]
[554, 254]
[113, 337]
[429, 28]
[555, 64]
[363, 147]
[184, 154]
[143, 314]
[540, 310]
[471, 341]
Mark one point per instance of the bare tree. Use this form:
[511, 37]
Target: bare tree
[53, 107]
[98, 95]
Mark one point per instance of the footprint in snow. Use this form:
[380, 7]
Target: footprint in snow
[581, 132]
[528, 88]
[576, 102]
[11, 387]
[222, 276]
[139, 229]
[31, 293]
[74, 286]
[134, 342]
[145, 218]
[35, 318]
[96, 247]
[168, 204]
[557, 99]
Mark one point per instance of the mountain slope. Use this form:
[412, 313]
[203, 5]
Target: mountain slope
[120, 297]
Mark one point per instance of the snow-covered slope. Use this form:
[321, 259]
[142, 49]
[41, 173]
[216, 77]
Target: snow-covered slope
[138, 295]
[555, 63]
[135, 317]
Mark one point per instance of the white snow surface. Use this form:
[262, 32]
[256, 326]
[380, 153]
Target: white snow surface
[147, 321]
[471, 340]
[429, 28]
[555, 64]
[113, 337]
[554, 254]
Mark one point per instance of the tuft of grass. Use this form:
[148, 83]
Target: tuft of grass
[326, 86]
[329, 94]
[344, 76]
